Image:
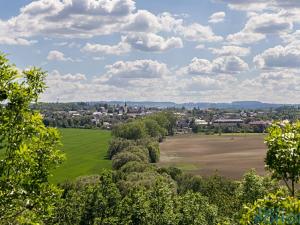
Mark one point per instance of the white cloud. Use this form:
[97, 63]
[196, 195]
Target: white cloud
[260, 25]
[118, 49]
[246, 5]
[291, 37]
[14, 41]
[147, 42]
[217, 17]
[242, 38]
[55, 55]
[229, 64]
[267, 23]
[223, 64]
[152, 42]
[55, 75]
[125, 72]
[200, 46]
[279, 56]
[199, 33]
[231, 50]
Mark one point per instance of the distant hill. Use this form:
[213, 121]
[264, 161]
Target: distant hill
[203, 105]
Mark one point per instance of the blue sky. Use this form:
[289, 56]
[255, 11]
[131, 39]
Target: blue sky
[171, 50]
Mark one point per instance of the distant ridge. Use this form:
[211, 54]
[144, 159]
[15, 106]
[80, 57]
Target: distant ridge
[202, 105]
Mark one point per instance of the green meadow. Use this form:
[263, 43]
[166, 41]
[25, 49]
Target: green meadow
[85, 151]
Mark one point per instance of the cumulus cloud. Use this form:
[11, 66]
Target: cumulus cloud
[279, 56]
[245, 5]
[118, 49]
[147, 42]
[14, 41]
[152, 42]
[231, 50]
[55, 75]
[55, 55]
[199, 33]
[71, 18]
[217, 17]
[268, 23]
[260, 25]
[223, 64]
[125, 72]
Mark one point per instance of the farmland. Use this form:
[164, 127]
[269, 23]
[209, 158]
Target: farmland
[231, 155]
[85, 150]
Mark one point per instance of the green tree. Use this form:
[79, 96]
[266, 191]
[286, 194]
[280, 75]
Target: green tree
[117, 145]
[154, 129]
[253, 187]
[195, 209]
[122, 158]
[30, 149]
[273, 209]
[283, 156]
[132, 130]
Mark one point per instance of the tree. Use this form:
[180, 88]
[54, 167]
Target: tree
[89, 200]
[273, 209]
[195, 209]
[122, 158]
[283, 156]
[30, 149]
[117, 145]
[131, 130]
[154, 129]
[253, 187]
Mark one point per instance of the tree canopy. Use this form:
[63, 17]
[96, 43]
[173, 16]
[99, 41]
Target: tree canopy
[30, 149]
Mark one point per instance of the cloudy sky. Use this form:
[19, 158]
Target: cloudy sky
[158, 50]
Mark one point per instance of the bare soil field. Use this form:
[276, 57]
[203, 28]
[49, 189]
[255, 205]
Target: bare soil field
[229, 155]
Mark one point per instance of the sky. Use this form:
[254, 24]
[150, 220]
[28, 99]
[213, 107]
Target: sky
[158, 50]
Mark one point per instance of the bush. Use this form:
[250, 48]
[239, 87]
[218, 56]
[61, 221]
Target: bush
[140, 151]
[117, 145]
[154, 153]
[133, 130]
[122, 158]
[273, 209]
[154, 129]
[136, 167]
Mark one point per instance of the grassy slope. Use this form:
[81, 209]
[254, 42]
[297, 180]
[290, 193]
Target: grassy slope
[85, 151]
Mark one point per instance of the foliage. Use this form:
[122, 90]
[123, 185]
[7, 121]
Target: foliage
[132, 130]
[221, 192]
[273, 209]
[124, 157]
[195, 209]
[283, 156]
[253, 187]
[93, 199]
[117, 145]
[134, 166]
[166, 120]
[153, 129]
[31, 149]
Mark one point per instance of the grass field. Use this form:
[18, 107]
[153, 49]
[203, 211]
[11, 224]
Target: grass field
[231, 154]
[85, 150]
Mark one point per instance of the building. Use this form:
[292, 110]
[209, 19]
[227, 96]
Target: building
[228, 122]
[200, 122]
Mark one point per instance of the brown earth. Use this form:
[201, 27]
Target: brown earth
[229, 155]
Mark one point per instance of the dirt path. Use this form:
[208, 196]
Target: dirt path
[230, 155]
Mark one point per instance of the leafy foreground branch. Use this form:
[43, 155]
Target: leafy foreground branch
[31, 149]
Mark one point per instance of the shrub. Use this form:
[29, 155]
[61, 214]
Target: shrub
[133, 130]
[122, 158]
[117, 145]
